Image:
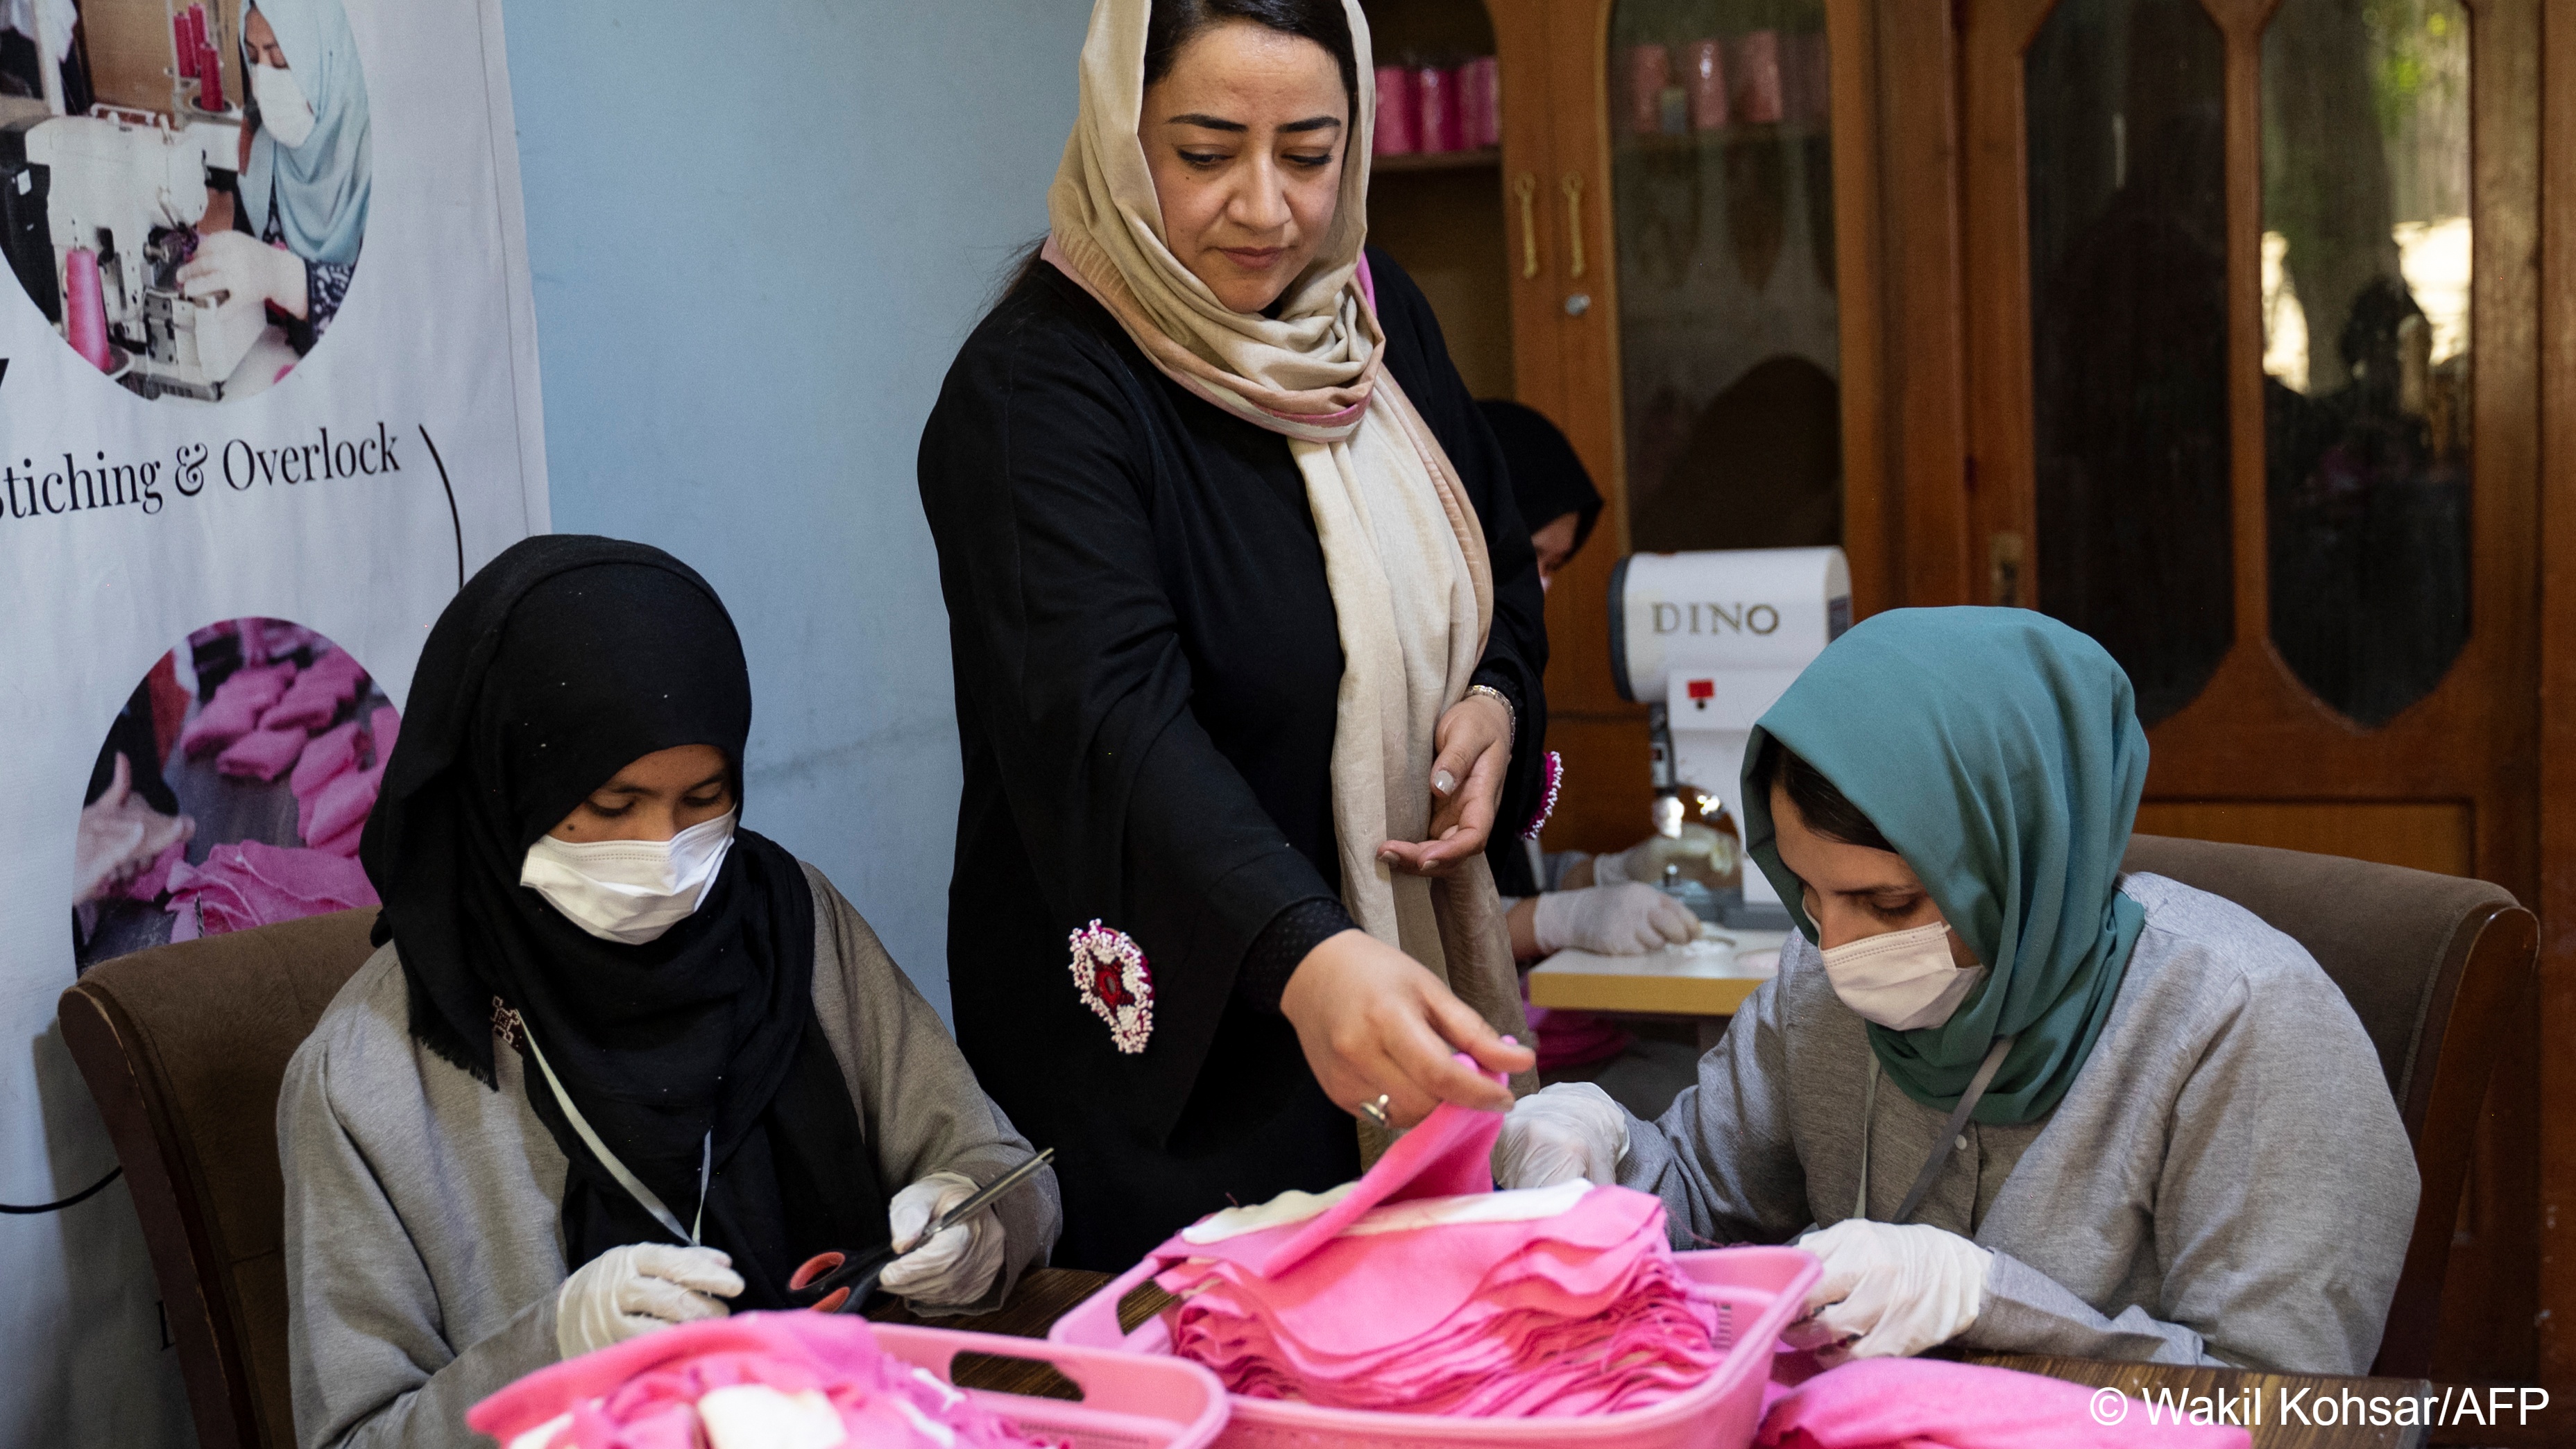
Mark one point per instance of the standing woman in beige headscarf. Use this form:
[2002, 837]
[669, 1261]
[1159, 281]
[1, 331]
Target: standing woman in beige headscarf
[1247, 642]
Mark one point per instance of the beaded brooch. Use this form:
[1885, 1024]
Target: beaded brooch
[1552, 776]
[1109, 970]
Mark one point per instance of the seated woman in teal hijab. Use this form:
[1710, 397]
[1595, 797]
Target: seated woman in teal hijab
[2014, 1099]
[290, 236]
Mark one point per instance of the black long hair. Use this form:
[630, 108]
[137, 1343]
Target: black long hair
[1172, 24]
[1821, 803]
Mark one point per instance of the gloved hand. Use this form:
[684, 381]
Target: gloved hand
[953, 1269]
[1699, 850]
[238, 263]
[1614, 920]
[1569, 1130]
[1889, 1290]
[629, 1291]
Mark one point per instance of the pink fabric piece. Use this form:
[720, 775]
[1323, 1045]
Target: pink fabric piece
[1583, 1313]
[343, 805]
[1448, 1154]
[156, 877]
[248, 884]
[262, 754]
[326, 758]
[1913, 1403]
[317, 694]
[345, 843]
[643, 1393]
[235, 709]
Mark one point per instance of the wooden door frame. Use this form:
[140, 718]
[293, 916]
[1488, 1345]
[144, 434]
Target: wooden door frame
[2556, 897]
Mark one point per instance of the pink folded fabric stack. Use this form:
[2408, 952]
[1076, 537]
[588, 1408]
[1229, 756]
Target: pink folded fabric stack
[262, 755]
[317, 694]
[248, 884]
[1582, 1313]
[1913, 1403]
[755, 1379]
[236, 707]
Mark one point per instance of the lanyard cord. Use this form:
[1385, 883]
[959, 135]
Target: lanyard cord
[1941, 1149]
[634, 1185]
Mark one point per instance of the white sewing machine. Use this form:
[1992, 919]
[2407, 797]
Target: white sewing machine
[130, 188]
[1708, 641]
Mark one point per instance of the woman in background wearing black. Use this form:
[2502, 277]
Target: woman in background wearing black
[1247, 641]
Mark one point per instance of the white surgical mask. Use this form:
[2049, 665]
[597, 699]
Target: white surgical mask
[629, 891]
[1903, 980]
[283, 109]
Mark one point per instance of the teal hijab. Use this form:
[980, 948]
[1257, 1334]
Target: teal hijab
[322, 187]
[1999, 751]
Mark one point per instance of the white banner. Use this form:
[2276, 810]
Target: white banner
[268, 392]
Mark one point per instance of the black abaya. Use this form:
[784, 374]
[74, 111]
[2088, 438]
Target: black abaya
[1146, 661]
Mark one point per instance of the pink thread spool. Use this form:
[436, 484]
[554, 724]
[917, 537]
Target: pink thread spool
[1398, 115]
[1437, 91]
[1704, 74]
[85, 309]
[183, 46]
[1757, 78]
[1650, 69]
[1480, 103]
[210, 68]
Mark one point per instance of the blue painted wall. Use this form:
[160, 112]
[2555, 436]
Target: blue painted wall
[758, 232]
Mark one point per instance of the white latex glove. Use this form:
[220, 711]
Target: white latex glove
[953, 1269]
[242, 265]
[1613, 920]
[1567, 1131]
[629, 1291]
[1889, 1290]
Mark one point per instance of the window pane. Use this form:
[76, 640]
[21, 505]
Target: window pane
[1722, 182]
[2124, 111]
[2366, 345]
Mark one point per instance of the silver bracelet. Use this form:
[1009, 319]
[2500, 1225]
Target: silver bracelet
[1510, 715]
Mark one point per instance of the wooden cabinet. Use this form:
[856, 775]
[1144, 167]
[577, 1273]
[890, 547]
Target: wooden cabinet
[2228, 330]
[1659, 259]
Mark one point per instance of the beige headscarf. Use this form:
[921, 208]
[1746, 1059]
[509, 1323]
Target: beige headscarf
[1404, 554]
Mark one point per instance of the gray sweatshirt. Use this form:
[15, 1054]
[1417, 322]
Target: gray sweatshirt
[2227, 1182]
[422, 1248]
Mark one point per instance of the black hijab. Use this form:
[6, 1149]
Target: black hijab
[1548, 481]
[563, 661]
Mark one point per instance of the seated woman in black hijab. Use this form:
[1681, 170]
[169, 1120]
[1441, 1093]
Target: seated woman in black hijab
[615, 1062]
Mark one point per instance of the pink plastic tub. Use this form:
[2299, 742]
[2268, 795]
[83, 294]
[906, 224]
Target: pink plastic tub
[1127, 1402]
[1757, 1290]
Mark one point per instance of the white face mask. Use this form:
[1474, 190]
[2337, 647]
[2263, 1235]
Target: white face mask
[1903, 980]
[283, 109]
[629, 891]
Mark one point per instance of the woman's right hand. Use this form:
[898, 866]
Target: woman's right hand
[1373, 1022]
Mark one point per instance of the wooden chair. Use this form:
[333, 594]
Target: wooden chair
[184, 1048]
[2435, 966]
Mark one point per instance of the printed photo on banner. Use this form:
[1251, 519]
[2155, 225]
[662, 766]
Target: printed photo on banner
[183, 183]
[230, 791]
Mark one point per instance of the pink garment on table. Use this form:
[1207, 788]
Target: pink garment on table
[262, 755]
[1914, 1403]
[645, 1393]
[326, 758]
[236, 707]
[1574, 1038]
[317, 694]
[249, 883]
[345, 843]
[1450, 1153]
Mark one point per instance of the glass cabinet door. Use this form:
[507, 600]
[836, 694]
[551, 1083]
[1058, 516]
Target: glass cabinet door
[1722, 205]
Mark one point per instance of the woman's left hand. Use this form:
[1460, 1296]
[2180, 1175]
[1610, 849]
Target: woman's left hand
[1474, 740]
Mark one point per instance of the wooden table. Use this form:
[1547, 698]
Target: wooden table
[1704, 981]
[2242, 1388]
[1046, 1294]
